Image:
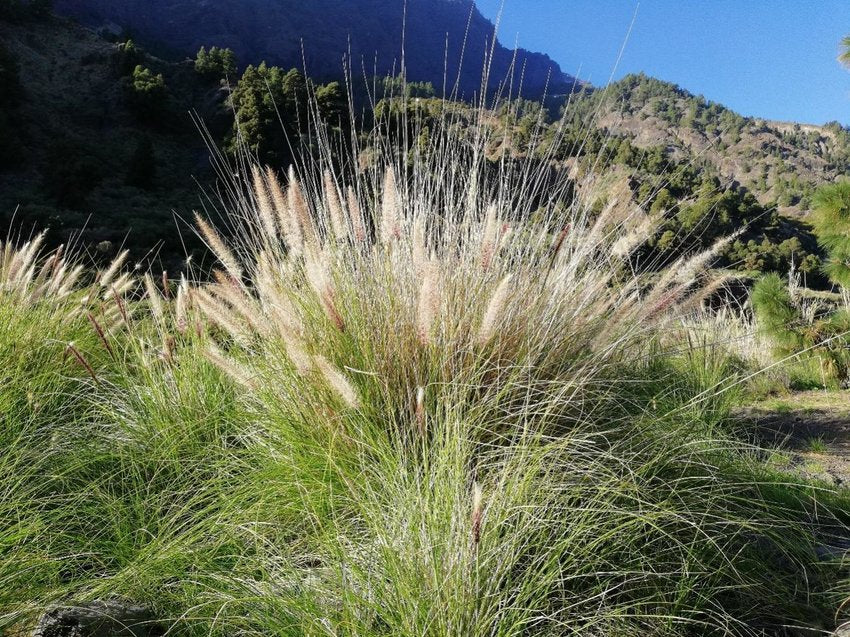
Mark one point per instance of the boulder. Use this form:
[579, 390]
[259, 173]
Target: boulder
[98, 619]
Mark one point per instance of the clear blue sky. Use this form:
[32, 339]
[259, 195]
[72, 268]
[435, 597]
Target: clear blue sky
[764, 58]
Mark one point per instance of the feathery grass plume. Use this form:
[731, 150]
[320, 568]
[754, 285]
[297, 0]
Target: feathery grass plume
[155, 300]
[264, 205]
[221, 314]
[232, 368]
[101, 334]
[299, 358]
[22, 260]
[18, 276]
[429, 301]
[300, 210]
[50, 265]
[334, 207]
[65, 281]
[242, 303]
[289, 226]
[390, 220]
[477, 512]
[166, 286]
[588, 392]
[321, 283]
[355, 215]
[282, 315]
[506, 236]
[181, 303]
[489, 236]
[495, 311]
[108, 275]
[559, 240]
[120, 286]
[637, 234]
[42, 281]
[714, 284]
[419, 246]
[78, 356]
[696, 265]
[337, 381]
[679, 275]
[218, 247]
[121, 307]
[420, 411]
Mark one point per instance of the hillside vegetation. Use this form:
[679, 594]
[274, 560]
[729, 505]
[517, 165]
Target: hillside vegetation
[92, 147]
[441, 36]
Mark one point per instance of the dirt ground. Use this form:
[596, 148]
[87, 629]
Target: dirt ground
[810, 432]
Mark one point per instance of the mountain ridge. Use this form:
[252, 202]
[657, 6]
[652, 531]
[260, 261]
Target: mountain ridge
[443, 39]
[80, 137]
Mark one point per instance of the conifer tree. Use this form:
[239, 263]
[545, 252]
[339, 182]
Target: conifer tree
[202, 61]
[215, 63]
[330, 100]
[830, 218]
[783, 320]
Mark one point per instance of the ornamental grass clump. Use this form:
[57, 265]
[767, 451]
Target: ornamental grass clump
[427, 390]
[472, 423]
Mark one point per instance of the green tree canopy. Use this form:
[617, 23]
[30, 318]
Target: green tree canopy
[271, 109]
[148, 93]
[830, 218]
[216, 63]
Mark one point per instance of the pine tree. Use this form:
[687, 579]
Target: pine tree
[147, 93]
[216, 63]
[202, 61]
[330, 100]
[227, 63]
[844, 57]
[294, 88]
[129, 56]
[825, 336]
[830, 218]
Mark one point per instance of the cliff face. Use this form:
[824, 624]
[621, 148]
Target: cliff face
[442, 38]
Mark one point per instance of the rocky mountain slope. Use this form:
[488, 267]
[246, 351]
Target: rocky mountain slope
[780, 162]
[442, 38]
[75, 143]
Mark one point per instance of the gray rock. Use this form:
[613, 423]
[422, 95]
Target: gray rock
[98, 619]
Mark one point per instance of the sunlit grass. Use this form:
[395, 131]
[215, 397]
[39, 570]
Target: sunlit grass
[427, 396]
